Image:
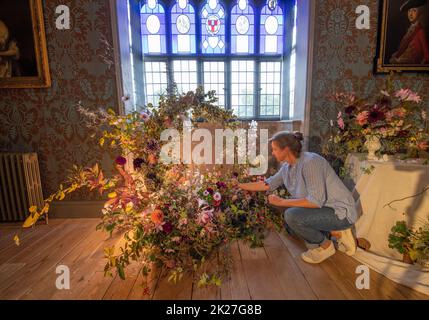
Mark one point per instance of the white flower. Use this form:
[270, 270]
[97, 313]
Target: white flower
[217, 196]
[201, 202]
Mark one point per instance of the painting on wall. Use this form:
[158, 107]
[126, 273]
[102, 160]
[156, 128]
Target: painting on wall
[403, 40]
[23, 53]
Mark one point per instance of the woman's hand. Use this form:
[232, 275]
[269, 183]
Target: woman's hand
[276, 201]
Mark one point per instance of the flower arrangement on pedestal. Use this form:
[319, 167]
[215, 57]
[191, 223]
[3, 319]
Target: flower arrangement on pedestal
[395, 122]
[172, 215]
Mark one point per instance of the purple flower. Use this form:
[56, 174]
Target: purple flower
[220, 184]
[350, 109]
[235, 174]
[152, 145]
[138, 163]
[376, 115]
[167, 227]
[121, 160]
[210, 190]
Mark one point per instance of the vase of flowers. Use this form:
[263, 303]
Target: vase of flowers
[392, 123]
[372, 144]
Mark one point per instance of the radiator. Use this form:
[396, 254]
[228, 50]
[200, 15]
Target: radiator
[20, 186]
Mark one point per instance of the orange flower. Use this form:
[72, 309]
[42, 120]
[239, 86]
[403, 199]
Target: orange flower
[157, 216]
[152, 159]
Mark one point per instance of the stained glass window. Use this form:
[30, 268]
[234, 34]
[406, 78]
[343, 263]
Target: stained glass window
[242, 28]
[213, 27]
[183, 27]
[155, 81]
[271, 38]
[185, 75]
[186, 43]
[242, 80]
[214, 79]
[153, 28]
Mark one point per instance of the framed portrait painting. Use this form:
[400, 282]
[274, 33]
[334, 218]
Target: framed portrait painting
[23, 52]
[403, 39]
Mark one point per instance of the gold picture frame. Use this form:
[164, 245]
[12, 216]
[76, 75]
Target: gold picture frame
[396, 38]
[24, 47]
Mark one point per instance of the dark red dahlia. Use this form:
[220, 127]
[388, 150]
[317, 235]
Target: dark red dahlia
[167, 227]
[220, 184]
[121, 160]
[376, 115]
[349, 110]
[138, 163]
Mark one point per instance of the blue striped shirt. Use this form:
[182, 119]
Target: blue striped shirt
[313, 178]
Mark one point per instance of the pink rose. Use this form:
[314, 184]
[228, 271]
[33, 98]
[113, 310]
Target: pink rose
[362, 118]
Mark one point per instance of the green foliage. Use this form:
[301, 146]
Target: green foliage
[415, 243]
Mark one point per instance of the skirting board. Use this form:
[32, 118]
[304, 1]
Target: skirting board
[76, 209]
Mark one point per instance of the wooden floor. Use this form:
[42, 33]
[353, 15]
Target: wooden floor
[273, 272]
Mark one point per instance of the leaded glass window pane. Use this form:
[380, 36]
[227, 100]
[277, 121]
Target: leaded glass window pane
[185, 75]
[270, 88]
[242, 28]
[152, 17]
[242, 95]
[214, 79]
[155, 81]
[213, 27]
[271, 39]
[183, 28]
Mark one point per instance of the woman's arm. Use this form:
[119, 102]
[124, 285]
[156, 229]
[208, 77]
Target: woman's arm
[254, 186]
[289, 203]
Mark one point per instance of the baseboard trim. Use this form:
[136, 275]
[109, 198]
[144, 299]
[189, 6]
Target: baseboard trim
[76, 209]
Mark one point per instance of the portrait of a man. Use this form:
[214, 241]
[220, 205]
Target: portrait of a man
[23, 50]
[413, 48]
[403, 41]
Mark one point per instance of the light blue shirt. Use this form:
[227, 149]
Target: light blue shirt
[313, 178]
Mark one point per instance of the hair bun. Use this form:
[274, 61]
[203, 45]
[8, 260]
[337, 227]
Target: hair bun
[298, 135]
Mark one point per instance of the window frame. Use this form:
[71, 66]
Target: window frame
[288, 7]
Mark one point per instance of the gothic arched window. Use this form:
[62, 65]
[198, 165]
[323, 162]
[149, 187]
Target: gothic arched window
[271, 39]
[153, 27]
[213, 27]
[183, 29]
[242, 28]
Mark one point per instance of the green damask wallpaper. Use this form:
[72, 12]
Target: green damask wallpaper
[343, 61]
[46, 121]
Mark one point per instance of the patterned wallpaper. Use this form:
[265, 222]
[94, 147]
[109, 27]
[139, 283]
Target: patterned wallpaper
[343, 61]
[45, 120]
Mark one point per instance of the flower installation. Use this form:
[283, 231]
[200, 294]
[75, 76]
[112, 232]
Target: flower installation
[395, 122]
[172, 216]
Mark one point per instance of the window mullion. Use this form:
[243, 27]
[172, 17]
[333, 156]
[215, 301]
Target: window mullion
[257, 89]
[228, 91]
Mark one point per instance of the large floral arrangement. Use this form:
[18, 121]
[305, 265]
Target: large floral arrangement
[172, 216]
[396, 117]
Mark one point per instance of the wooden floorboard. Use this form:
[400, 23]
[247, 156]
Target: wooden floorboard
[274, 271]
